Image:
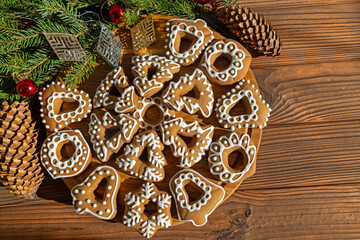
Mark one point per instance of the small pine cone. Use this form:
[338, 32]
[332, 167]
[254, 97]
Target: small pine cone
[251, 27]
[20, 168]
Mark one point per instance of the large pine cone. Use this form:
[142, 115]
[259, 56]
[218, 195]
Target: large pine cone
[20, 168]
[251, 27]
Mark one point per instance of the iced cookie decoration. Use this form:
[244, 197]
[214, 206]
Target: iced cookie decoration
[208, 196]
[186, 39]
[219, 161]
[151, 72]
[115, 93]
[61, 161]
[61, 106]
[176, 131]
[192, 92]
[85, 199]
[151, 112]
[225, 62]
[187, 119]
[109, 133]
[136, 215]
[257, 111]
[151, 167]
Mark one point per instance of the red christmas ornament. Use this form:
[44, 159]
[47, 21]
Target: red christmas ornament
[26, 88]
[116, 13]
[203, 1]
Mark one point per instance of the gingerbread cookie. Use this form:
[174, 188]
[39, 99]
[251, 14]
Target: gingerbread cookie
[60, 166]
[109, 134]
[173, 133]
[136, 216]
[149, 169]
[61, 106]
[159, 113]
[85, 200]
[203, 99]
[198, 209]
[225, 62]
[257, 111]
[151, 72]
[219, 157]
[115, 93]
[186, 39]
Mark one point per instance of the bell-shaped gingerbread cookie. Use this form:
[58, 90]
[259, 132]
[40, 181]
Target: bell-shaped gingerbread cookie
[201, 96]
[85, 199]
[151, 72]
[197, 205]
[61, 106]
[225, 62]
[115, 93]
[219, 157]
[188, 141]
[61, 161]
[186, 39]
[110, 133]
[152, 167]
[257, 111]
[136, 214]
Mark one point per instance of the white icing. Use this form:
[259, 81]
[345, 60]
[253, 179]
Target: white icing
[114, 77]
[143, 105]
[75, 164]
[191, 104]
[165, 69]
[110, 194]
[189, 156]
[188, 26]
[181, 198]
[135, 207]
[229, 100]
[104, 147]
[125, 103]
[181, 195]
[229, 48]
[217, 165]
[62, 117]
[62, 93]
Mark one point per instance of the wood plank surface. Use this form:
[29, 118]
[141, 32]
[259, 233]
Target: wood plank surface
[279, 4]
[319, 92]
[323, 212]
[307, 183]
[311, 34]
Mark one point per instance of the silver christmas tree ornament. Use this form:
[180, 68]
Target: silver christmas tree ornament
[109, 46]
[143, 34]
[66, 47]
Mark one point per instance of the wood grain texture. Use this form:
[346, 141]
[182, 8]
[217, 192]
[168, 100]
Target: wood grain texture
[307, 155]
[319, 92]
[323, 212]
[310, 34]
[307, 181]
[271, 4]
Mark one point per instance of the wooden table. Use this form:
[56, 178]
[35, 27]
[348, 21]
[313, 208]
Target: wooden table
[307, 184]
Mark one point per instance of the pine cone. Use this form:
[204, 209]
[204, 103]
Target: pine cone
[251, 27]
[20, 168]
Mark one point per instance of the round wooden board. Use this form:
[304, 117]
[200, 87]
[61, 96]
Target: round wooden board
[132, 184]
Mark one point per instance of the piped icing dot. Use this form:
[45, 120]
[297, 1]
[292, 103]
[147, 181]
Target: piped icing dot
[196, 32]
[203, 101]
[225, 62]
[52, 100]
[87, 202]
[52, 159]
[219, 157]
